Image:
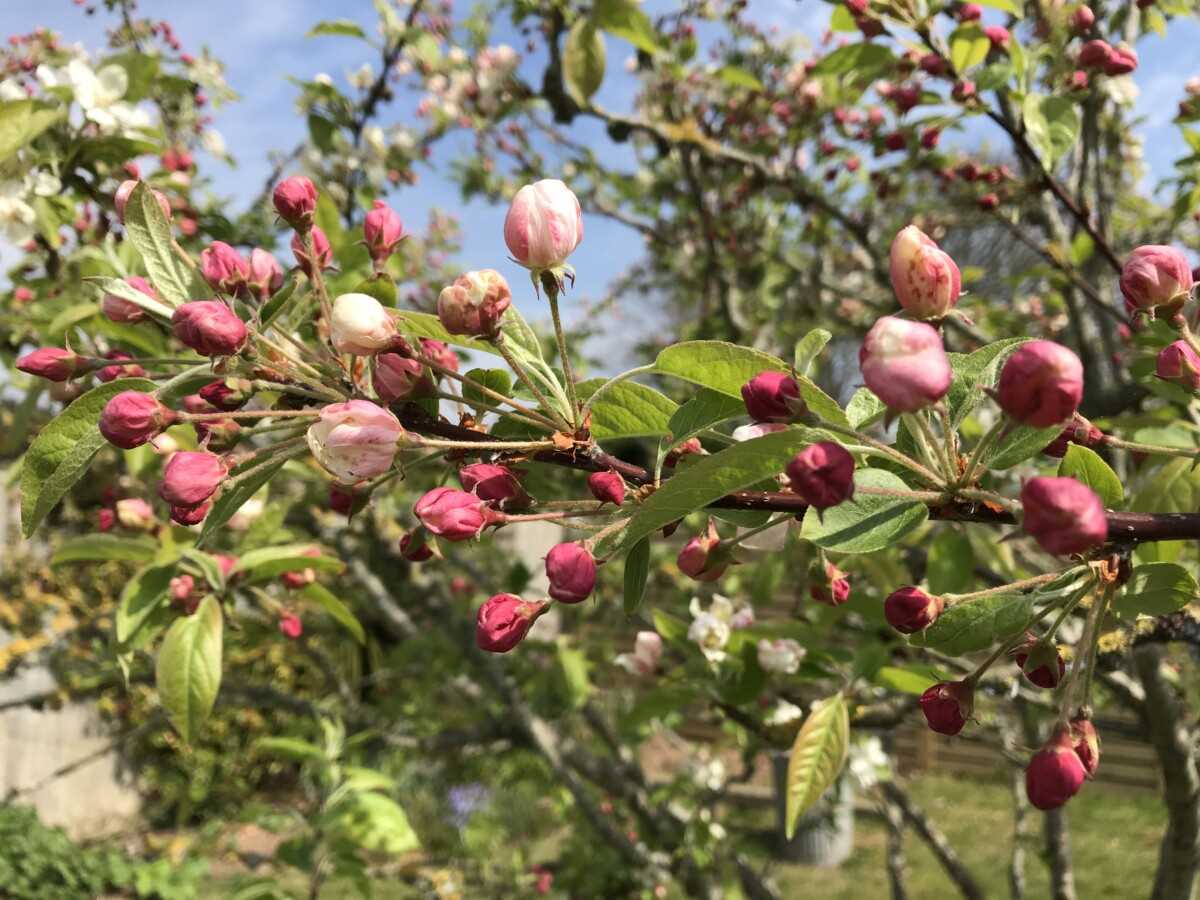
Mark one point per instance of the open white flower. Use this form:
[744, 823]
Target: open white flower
[99, 93]
[11, 90]
[711, 634]
[17, 217]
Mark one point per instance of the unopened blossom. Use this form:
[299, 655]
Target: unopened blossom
[904, 364]
[504, 620]
[1055, 774]
[571, 571]
[703, 558]
[264, 275]
[355, 440]
[544, 224]
[396, 377]
[926, 280]
[125, 189]
[118, 309]
[822, 474]
[324, 252]
[1155, 277]
[135, 513]
[360, 324]
[1063, 515]
[1041, 384]
[209, 327]
[948, 705]
[607, 487]
[131, 418]
[295, 200]
[382, 231]
[52, 363]
[223, 268]
[828, 584]
[1179, 364]
[475, 304]
[452, 514]
[498, 485]
[773, 397]
[909, 609]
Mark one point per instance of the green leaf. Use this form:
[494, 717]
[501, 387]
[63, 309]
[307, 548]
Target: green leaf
[733, 469]
[21, 121]
[1173, 488]
[1051, 126]
[637, 570]
[818, 754]
[375, 822]
[868, 522]
[669, 627]
[1007, 6]
[188, 672]
[1156, 589]
[977, 624]
[842, 19]
[706, 409]
[820, 403]
[105, 547]
[337, 28]
[627, 410]
[328, 601]
[573, 667]
[121, 288]
[950, 568]
[736, 76]
[62, 452]
[1019, 445]
[718, 365]
[864, 408]
[69, 317]
[289, 748]
[975, 372]
[906, 681]
[968, 47]
[499, 380]
[426, 325]
[267, 562]
[209, 567]
[583, 61]
[625, 19]
[277, 303]
[1086, 466]
[864, 61]
[150, 233]
[808, 348]
[231, 499]
[141, 597]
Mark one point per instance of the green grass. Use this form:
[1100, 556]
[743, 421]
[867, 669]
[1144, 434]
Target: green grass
[1114, 844]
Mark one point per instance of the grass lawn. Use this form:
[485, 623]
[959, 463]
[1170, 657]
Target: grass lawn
[1114, 844]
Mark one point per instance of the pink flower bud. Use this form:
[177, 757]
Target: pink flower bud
[1055, 774]
[223, 268]
[295, 200]
[182, 591]
[1178, 364]
[397, 377]
[360, 324]
[607, 487]
[963, 90]
[346, 500]
[440, 353]
[209, 327]
[687, 448]
[1063, 515]
[934, 65]
[647, 654]
[1122, 60]
[504, 620]
[926, 280]
[571, 570]
[112, 373]
[773, 397]
[52, 363]
[355, 440]
[22, 294]
[382, 230]
[998, 35]
[416, 546]
[829, 585]
[544, 224]
[1086, 744]
[910, 609]
[970, 12]
[475, 303]
[822, 474]
[264, 275]
[1080, 431]
[1041, 384]
[904, 364]
[131, 418]
[1083, 19]
[190, 477]
[947, 705]
[702, 558]
[1155, 276]
[493, 484]
[226, 563]
[1040, 662]
[105, 520]
[320, 245]
[121, 199]
[135, 514]
[228, 394]
[298, 578]
[190, 515]
[452, 514]
[118, 309]
[290, 626]
[1094, 54]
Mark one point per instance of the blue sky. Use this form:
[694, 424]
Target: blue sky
[262, 43]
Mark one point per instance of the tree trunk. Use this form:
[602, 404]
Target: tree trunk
[1164, 720]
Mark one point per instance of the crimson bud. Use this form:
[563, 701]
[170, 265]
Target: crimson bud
[190, 477]
[1041, 662]
[829, 585]
[495, 484]
[607, 487]
[382, 230]
[504, 620]
[1155, 276]
[1055, 774]
[452, 514]
[947, 706]
[52, 363]
[118, 309]
[822, 474]
[209, 327]
[571, 570]
[1041, 384]
[702, 558]
[1178, 364]
[1063, 515]
[773, 397]
[223, 268]
[131, 418]
[910, 609]
[295, 200]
